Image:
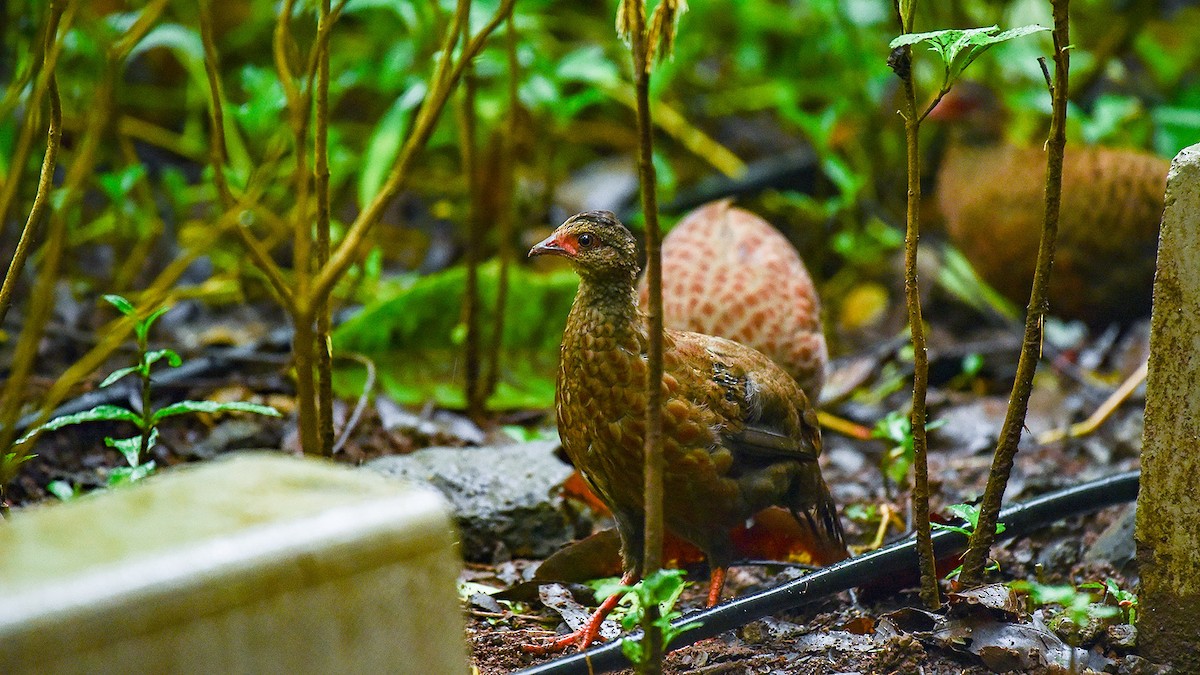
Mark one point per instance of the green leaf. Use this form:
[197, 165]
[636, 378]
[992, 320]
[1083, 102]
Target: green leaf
[123, 306]
[958, 48]
[142, 329]
[408, 333]
[155, 356]
[386, 141]
[131, 447]
[118, 374]
[185, 407]
[129, 474]
[101, 413]
[63, 490]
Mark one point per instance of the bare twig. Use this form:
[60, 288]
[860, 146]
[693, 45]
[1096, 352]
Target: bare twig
[448, 72]
[323, 307]
[508, 211]
[902, 64]
[42, 198]
[360, 406]
[472, 366]
[1018, 403]
[634, 19]
[216, 110]
[58, 22]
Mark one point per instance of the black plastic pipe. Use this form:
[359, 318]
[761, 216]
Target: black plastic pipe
[870, 567]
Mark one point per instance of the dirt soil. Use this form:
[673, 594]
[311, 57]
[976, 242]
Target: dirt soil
[841, 634]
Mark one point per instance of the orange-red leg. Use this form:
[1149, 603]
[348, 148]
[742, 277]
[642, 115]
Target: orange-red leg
[587, 633]
[715, 584]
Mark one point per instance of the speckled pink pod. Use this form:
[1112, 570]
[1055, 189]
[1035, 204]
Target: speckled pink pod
[729, 273]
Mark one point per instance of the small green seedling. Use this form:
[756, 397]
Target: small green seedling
[969, 513]
[898, 460]
[958, 48]
[1078, 606]
[1126, 600]
[863, 513]
[663, 588]
[136, 449]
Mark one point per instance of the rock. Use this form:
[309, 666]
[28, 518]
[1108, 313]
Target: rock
[1115, 544]
[505, 498]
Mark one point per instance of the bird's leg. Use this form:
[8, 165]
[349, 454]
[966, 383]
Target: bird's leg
[715, 584]
[589, 631]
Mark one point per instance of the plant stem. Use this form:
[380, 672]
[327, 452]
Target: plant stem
[42, 197]
[58, 23]
[635, 19]
[508, 210]
[323, 343]
[912, 295]
[448, 74]
[1018, 402]
[147, 413]
[471, 302]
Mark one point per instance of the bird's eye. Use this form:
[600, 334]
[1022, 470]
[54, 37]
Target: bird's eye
[586, 240]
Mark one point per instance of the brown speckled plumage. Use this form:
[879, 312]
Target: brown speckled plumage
[728, 272]
[739, 434]
[991, 193]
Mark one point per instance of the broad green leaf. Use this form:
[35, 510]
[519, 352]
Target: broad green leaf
[123, 306]
[101, 413]
[408, 334]
[386, 141]
[958, 48]
[118, 374]
[185, 407]
[588, 65]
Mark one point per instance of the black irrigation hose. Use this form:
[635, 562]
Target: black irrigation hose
[898, 557]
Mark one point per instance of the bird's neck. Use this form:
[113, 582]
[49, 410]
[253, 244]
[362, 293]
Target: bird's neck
[606, 306]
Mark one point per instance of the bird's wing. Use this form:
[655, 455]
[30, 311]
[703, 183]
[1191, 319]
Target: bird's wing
[764, 412]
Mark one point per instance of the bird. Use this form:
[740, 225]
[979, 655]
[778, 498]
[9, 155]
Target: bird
[739, 434]
[728, 272]
[990, 194]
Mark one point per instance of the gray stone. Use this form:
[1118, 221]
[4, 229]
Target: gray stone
[1115, 544]
[506, 498]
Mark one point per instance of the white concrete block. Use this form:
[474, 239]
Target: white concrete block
[256, 564]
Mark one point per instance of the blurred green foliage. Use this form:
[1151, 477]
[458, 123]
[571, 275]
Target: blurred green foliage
[758, 76]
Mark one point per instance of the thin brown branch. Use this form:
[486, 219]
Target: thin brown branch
[45, 184]
[472, 367]
[58, 23]
[653, 467]
[984, 535]
[324, 345]
[266, 265]
[217, 153]
[508, 211]
[120, 49]
[441, 85]
[281, 42]
[901, 63]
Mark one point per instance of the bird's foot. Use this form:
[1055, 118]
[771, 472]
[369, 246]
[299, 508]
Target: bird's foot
[587, 633]
[580, 637]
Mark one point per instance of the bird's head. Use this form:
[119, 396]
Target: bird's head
[596, 243]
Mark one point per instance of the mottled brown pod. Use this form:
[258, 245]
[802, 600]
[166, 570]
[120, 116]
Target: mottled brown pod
[728, 272]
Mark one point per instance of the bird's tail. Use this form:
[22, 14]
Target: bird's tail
[820, 515]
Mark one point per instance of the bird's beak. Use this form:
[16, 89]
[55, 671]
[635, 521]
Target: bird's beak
[551, 246]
